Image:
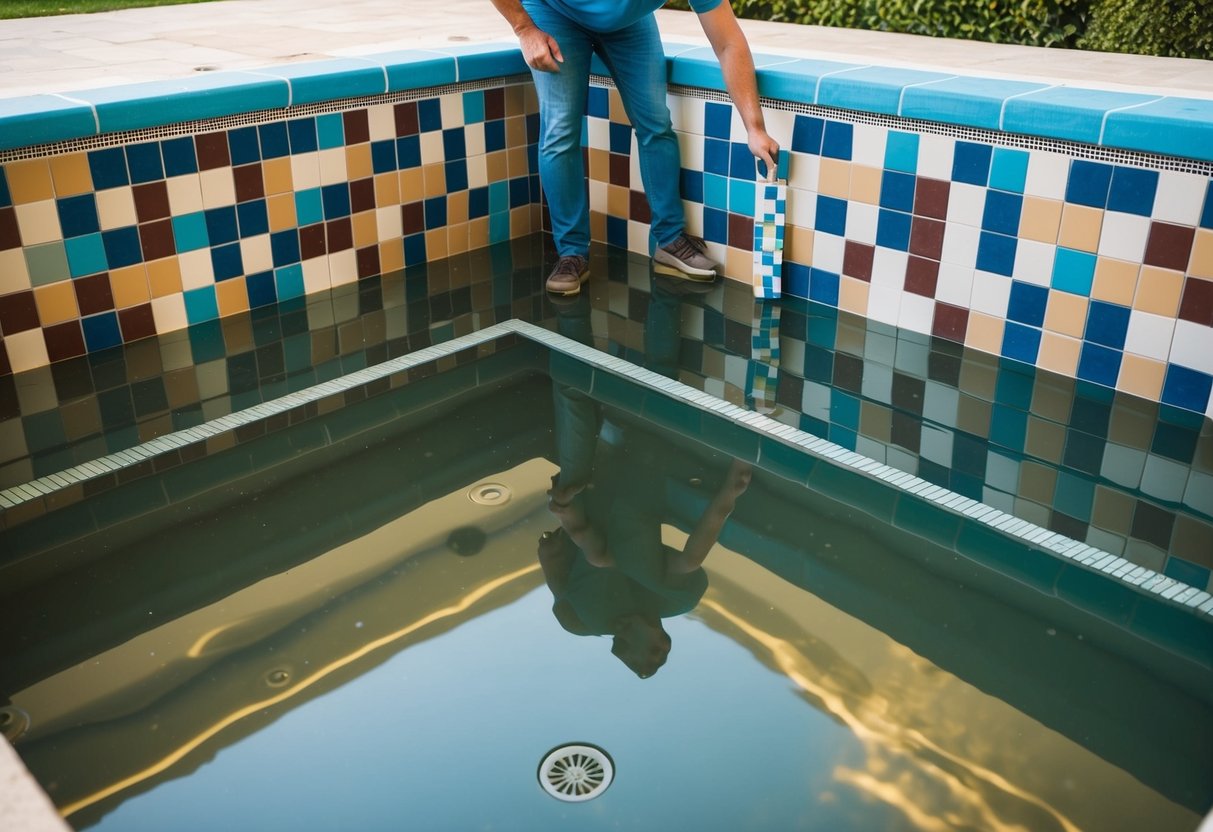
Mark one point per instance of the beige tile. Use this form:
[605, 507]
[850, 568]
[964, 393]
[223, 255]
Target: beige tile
[26, 350]
[164, 278]
[332, 166]
[1040, 220]
[281, 209]
[853, 295]
[184, 194]
[739, 264]
[1202, 254]
[14, 271]
[457, 238]
[218, 188]
[387, 190]
[116, 208]
[799, 244]
[1080, 226]
[29, 181]
[391, 256]
[984, 332]
[358, 161]
[129, 286]
[1141, 376]
[1115, 281]
[56, 302]
[1158, 291]
[412, 185]
[81, 418]
[38, 222]
[1045, 440]
[865, 184]
[276, 174]
[71, 174]
[834, 178]
[1059, 353]
[256, 253]
[1066, 314]
[435, 180]
[232, 297]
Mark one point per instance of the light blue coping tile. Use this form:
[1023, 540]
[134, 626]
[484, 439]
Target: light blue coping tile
[477, 61]
[35, 119]
[411, 69]
[330, 79]
[797, 80]
[873, 89]
[132, 106]
[699, 67]
[597, 67]
[1175, 126]
[973, 102]
[1066, 112]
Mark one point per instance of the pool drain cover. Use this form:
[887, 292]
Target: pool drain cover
[576, 773]
[490, 494]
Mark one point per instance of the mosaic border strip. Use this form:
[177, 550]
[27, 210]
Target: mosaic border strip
[259, 117]
[1094, 559]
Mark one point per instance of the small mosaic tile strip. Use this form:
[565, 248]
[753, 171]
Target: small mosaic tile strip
[762, 372]
[770, 220]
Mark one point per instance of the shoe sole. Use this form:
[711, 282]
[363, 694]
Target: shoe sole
[674, 271]
[681, 267]
[572, 290]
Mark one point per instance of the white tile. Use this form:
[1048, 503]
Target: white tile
[184, 194]
[1047, 174]
[1199, 493]
[332, 166]
[779, 125]
[638, 237]
[451, 108]
[116, 206]
[382, 121]
[802, 208]
[432, 150]
[38, 222]
[889, 269]
[169, 314]
[473, 138]
[1179, 197]
[1122, 465]
[197, 270]
[690, 149]
[867, 145]
[991, 293]
[804, 170]
[917, 312]
[218, 188]
[935, 156]
[1149, 335]
[828, 251]
[389, 224]
[960, 244]
[1124, 236]
[966, 204]
[1192, 346]
[343, 266]
[1034, 262]
[316, 279]
[690, 112]
[936, 445]
[954, 284]
[478, 172]
[861, 222]
[634, 165]
[255, 254]
[598, 195]
[14, 272]
[305, 170]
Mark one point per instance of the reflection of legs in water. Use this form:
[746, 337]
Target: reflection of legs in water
[663, 322]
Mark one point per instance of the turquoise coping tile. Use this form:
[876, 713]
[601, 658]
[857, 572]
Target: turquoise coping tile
[797, 80]
[1065, 112]
[132, 106]
[699, 67]
[410, 69]
[1175, 126]
[486, 60]
[35, 119]
[974, 102]
[313, 81]
[874, 89]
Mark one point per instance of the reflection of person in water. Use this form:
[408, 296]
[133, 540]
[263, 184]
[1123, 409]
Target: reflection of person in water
[606, 565]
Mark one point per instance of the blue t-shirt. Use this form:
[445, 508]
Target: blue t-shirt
[612, 15]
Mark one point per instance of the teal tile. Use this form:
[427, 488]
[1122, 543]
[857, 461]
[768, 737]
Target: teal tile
[207, 95]
[312, 81]
[926, 520]
[974, 102]
[727, 436]
[1094, 591]
[796, 80]
[1177, 630]
[700, 67]
[868, 495]
[785, 460]
[486, 60]
[1174, 126]
[36, 119]
[568, 371]
[1009, 556]
[411, 69]
[1065, 112]
[873, 89]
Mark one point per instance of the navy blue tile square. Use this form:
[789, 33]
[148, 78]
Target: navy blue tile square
[456, 176]
[617, 232]
[429, 115]
[715, 225]
[691, 184]
[1107, 324]
[1206, 215]
[1088, 183]
[1175, 442]
[6, 198]
[837, 140]
[1185, 572]
[831, 215]
[1083, 452]
[101, 331]
[408, 151]
[717, 120]
[893, 230]
[494, 135]
[806, 134]
[243, 145]
[108, 168]
[275, 142]
[897, 190]
[414, 249]
[741, 162]
[1002, 212]
[252, 218]
[795, 279]
[144, 163]
[221, 225]
[815, 426]
[598, 104]
[1099, 364]
[716, 157]
[823, 288]
[227, 262]
[478, 203]
[1027, 304]
[1133, 191]
[122, 247]
[78, 215]
[1185, 387]
[971, 163]
[284, 246]
[1021, 343]
[1091, 414]
[383, 156]
[302, 133]
[532, 128]
[261, 290]
[996, 253]
[620, 140]
[435, 212]
[520, 191]
[336, 199]
[179, 156]
[454, 145]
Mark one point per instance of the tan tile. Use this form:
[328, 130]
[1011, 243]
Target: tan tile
[281, 209]
[1158, 291]
[799, 244]
[521, 222]
[1040, 220]
[1202, 254]
[515, 101]
[26, 350]
[412, 185]
[457, 238]
[129, 286]
[853, 295]
[81, 418]
[1141, 376]
[865, 184]
[1059, 353]
[1037, 482]
[739, 264]
[1080, 226]
[391, 256]
[71, 174]
[1066, 314]
[598, 226]
[616, 112]
[435, 244]
[366, 229]
[457, 207]
[599, 167]
[218, 188]
[516, 162]
[515, 131]
[56, 302]
[617, 201]
[14, 271]
[358, 161]
[834, 178]
[232, 297]
[495, 165]
[1115, 280]
[435, 180]
[478, 233]
[164, 277]
[276, 174]
[387, 190]
[984, 333]
[29, 181]
[1045, 440]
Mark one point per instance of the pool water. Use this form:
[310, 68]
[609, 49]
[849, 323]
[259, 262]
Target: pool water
[345, 623]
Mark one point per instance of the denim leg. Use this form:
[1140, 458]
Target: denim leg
[637, 63]
[562, 103]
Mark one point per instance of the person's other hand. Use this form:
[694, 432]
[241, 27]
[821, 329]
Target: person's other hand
[540, 50]
[740, 474]
[765, 148]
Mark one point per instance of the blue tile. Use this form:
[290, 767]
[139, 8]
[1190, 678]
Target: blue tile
[108, 168]
[478, 203]
[996, 253]
[598, 104]
[6, 198]
[414, 244]
[831, 215]
[971, 163]
[1187, 573]
[1008, 426]
[435, 212]
[473, 107]
[837, 142]
[1206, 215]
[122, 247]
[806, 134]
[243, 145]
[221, 225]
[1009, 169]
[499, 197]
[796, 80]
[38, 119]
[330, 131]
[429, 115]
[1014, 387]
[715, 225]
[1173, 126]
[408, 152]
[1088, 183]
[1186, 388]
[901, 151]
[717, 120]
[226, 261]
[823, 287]
[1065, 112]
[973, 102]
[1133, 190]
[1027, 303]
[302, 132]
[414, 69]
[691, 184]
[143, 162]
[741, 162]
[1020, 342]
[284, 247]
[336, 199]
[456, 176]
[477, 61]
[1099, 364]
[716, 157]
[1002, 212]
[201, 96]
[275, 141]
[1074, 495]
[309, 206]
[520, 191]
[332, 78]
[101, 331]
[454, 145]
[261, 289]
[617, 232]
[795, 279]
[1107, 324]
[897, 190]
[844, 409]
[741, 197]
[893, 230]
[201, 305]
[189, 231]
[289, 282]
[873, 89]
[620, 139]
[383, 156]
[85, 255]
[253, 218]
[78, 215]
[1073, 271]
[699, 67]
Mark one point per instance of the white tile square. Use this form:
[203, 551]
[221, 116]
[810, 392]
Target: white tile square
[1192, 346]
[218, 188]
[473, 139]
[802, 208]
[960, 244]
[315, 278]
[332, 166]
[197, 270]
[690, 148]
[779, 125]
[1047, 174]
[1149, 335]
[737, 132]
[169, 314]
[861, 222]
[184, 194]
[690, 112]
[478, 172]
[305, 170]
[867, 145]
[432, 150]
[889, 269]
[991, 293]
[634, 165]
[935, 156]
[598, 133]
[382, 121]
[804, 171]
[1180, 197]
[1124, 236]
[598, 195]
[966, 204]
[954, 284]
[388, 223]
[14, 271]
[828, 251]
[450, 106]
[116, 206]
[1034, 262]
[343, 266]
[38, 222]
[638, 237]
[255, 254]
[917, 312]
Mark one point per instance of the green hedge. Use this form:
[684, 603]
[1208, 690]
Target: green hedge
[1175, 28]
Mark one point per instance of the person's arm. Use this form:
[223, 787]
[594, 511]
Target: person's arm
[737, 66]
[539, 49]
[707, 530]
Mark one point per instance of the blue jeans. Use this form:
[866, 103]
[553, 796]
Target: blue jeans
[636, 60]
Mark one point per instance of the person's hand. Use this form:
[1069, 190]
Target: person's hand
[765, 148]
[560, 497]
[540, 50]
[738, 479]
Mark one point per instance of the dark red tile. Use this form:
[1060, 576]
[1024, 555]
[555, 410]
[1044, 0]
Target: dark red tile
[413, 217]
[638, 207]
[18, 312]
[406, 119]
[249, 184]
[368, 261]
[951, 322]
[65, 340]
[926, 237]
[212, 150]
[311, 241]
[357, 126]
[931, 197]
[10, 234]
[156, 239]
[619, 169]
[494, 103]
[1197, 302]
[137, 322]
[921, 276]
[340, 234]
[151, 201]
[1169, 246]
[857, 260]
[93, 293]
[741, 231]
[362, 195]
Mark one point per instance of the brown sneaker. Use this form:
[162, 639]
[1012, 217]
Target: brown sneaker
[685, 257]
[570, 272]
